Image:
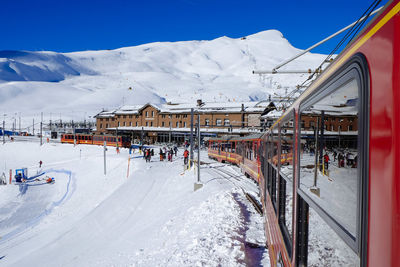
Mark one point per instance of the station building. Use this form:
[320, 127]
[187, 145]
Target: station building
[172, 122]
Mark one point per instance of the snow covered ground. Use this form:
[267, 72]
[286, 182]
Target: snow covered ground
[153, 217]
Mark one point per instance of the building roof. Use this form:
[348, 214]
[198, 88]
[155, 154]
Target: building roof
[215, 107]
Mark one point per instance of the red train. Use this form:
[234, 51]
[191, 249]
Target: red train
[333, 198]
[90, 139]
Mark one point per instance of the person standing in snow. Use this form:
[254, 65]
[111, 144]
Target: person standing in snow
[326, 161]
[40, 164]
[176, 150]
[185, 157]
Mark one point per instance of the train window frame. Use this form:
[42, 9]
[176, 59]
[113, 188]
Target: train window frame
[356, 68]
[284, 230]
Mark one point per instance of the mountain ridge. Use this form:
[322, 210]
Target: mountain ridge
[217, 70]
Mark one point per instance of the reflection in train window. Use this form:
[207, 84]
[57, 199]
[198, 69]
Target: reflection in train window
[325, 247]
[329, 154]
[286, 183]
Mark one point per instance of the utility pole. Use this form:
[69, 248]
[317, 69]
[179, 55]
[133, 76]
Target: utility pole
[116, 137]
[141, 138]
[314, 189]
[73, 127]
[198, 185]
[41, 130]
[170, 127]
[191, 136]
[105, 149]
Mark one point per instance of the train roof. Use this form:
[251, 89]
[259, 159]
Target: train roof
[238, 138]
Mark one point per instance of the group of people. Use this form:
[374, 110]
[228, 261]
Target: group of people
[348, 159]
[148, 153]
[168, 153]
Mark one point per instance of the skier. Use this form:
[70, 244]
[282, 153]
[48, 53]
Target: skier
[185, 157]
[176, 150]
[161, 155]
[40, 164]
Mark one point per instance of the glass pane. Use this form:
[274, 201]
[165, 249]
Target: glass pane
[325, 248]
[286, 176]
[329, 141]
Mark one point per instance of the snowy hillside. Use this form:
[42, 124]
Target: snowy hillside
[218, 70]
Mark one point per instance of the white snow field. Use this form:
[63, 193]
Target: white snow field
[153, 217]
[220, 70]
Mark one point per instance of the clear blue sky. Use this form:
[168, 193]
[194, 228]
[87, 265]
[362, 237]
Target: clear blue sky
[76, 25]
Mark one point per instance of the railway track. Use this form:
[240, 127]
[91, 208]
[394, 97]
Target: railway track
[237, 180]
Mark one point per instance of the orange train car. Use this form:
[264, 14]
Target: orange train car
[89, 139]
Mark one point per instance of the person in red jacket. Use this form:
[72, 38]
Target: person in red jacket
[326, 161]
[185, 156]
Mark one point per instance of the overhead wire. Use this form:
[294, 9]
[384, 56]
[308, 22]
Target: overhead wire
[352, 32]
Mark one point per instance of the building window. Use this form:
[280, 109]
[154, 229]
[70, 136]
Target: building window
[147, 123]
[185, 115]
[136, 116]
[177, 116]
[162, 124]
[130, 124]
[118, 124]
[218, 122]
[169, 124]
[130, 116]
[124, 116]
[101, 126]
[152, 113]
[147, 113]
[124, 124]
[151, 124]
[169, 116]
[177, 124]
[106, 125]
[163, 116]
[226, 122]
[184, 124]
[136, 124]
[207, 122]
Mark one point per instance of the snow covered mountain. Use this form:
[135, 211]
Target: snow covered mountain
[219, 70]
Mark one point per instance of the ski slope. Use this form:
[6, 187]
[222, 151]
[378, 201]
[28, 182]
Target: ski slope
[150, 218]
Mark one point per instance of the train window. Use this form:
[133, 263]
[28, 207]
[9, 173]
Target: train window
[325, 248]
[286, 174]
[272, 164]
[331, 171]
